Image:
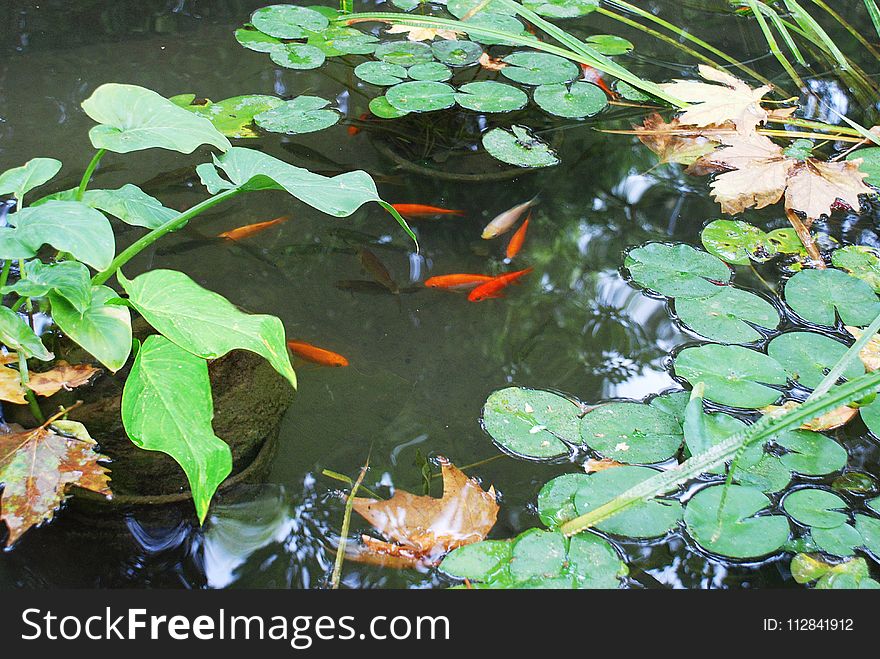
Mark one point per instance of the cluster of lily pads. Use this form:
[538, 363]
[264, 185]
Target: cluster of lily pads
[773, 496]
[417, 74]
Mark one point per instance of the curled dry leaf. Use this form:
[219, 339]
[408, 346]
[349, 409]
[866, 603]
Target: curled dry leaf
[671, 143]
[592, 466]
[62, 376]
[414, 33]
[421, 529]
[38, 466]
[829, 421]
[491, 63]
[870, 354]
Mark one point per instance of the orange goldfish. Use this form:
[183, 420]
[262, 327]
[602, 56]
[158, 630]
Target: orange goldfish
[315, 354]
[503, 222]
[492, 289]
[457, 281]
[413, 211]
[595, 76]
[517, 240]
[354, 130]
[249, 230]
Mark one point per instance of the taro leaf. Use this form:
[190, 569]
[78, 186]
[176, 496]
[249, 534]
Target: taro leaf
[646, 519]
[421, 96]
[575, 100]
[479, 561]
[299, 56]
[304, 114]
[870, 164]
[817, 508]
[815, 295]
[461, 8]
[380, 107]
[490, 96]
[727, 315]
[810, 453]
[808, 356]
[457, 53]
[336, 41]
[561, 8]
[838, 541]
[431, 71]
[404, 53]
[203, 322]
[253, 39]
[532, 423]
[128, 203]
[733, 375]
[499, 23]
[859, 261]
[534, 68]
[104, 330]
[34, 173]
[132, 118]
[288, 21]
[734, 530]
[17, 335]
[247, 169]
[609, 44]
[869, 529]
[676, 270]
[380, 73]
[736, 242]
[519, 148]
[234, 116]
[69, 279]
[631, 433]
[45, 383]
[167, 407]
[38, 466]
[12, 247]
[69, 226]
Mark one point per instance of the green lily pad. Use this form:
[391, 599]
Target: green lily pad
[815, 296]
[434, 71]
[870, 164]
[499, 23]
[609, 44]
[461, 8]
[335, 41]
[406, 5]
[380, 73]
[728, 315]
[632, 433]
[859, 261]
[421, 96]
[380, 107]
[562, 8]
[532, 423]
[252, 39]
[870, 415]
[839, 540]
[519, 148]
[234, 116]
[304, 114]
[480, 561]
[856, 482]
[869, 529]
[768, 474]
[575, 100]
[298, 56]
[404, 53]
[808, 356]
[814, 507]
[676, 270]
[733, 375]
[785, 241]
[457, 53]
[736, 242]
[490, 96]
[288, 21]
[810, 453]
[533, 68]
[734, 530]
[630, 93]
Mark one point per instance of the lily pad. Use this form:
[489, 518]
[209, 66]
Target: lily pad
[728, 315]
[434, 71]
[298, 56]
[734, 530]
[533, 68]
[733, 375]
[632, 433]
[609, 44]
[562, 8]
[519, 148]
[457, 53]
[253, 39]
[288, 21]
[404, 53]
[461, 8]
[532, 423]
[839, 540]
[869, 529]
[814, 507]
[676, 270]
[768, 474]
[870, 164]
[810, 453]
[304, 114]
[490, 96]
[808, 356]
[815, 296]
[336, 41]
[421, 96]
[736, 242]
[499, 23]
[859, 261]
[234, 116]
[575, 100]
[380, 73]
[380, 107]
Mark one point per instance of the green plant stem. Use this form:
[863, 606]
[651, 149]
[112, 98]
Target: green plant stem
[87, 175]
[848, 357]
[335, 475]
[874, 13]
[4, 276]
[173, 224]
[774, 47]
[346, 522]
[24, 376]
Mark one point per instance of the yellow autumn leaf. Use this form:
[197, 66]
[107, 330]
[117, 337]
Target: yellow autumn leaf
[414, 33]
[672, 145]
[870, 354]
[62, 376]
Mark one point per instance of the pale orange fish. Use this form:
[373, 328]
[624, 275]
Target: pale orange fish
[354, 130]
[315, 354]
[504, 221]
[492, 289]
[457, 281]
[517, 240]
[250, 229]
[595, 76]
[420, 210]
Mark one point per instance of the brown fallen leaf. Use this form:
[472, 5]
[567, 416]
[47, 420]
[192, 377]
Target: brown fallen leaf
[421, 529]
[414, 33]
[713, 104]
[815, 187]
[829, 421]
[670, 144]
[870, 354]
[491, 63]
[591, 466]
[37, 468]
[62, 376]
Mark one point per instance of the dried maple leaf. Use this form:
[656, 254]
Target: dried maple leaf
[591, 466]
[38, 466]
[414, 33]
[870, 354]
[491, 63]
[713, 104]
[829, 421]
[814, 187]
[421, 529]
[670, 143]
[62, 376]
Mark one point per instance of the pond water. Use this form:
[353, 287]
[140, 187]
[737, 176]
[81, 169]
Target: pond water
[423, 362]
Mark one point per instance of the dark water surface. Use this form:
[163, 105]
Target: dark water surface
[422, 364]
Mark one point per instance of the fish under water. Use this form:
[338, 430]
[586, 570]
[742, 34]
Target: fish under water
[517, 239]
[503, 222]
[250, 229]
[315, 354]
[492, 289]
[419, 211]
[458, 281]
[377, 270]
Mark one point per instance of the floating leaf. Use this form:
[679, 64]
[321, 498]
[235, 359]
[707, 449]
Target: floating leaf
[299, 56]
[869, 530]
[733, 375]
[869, 355]
[735, 529]
[768, 474]
[69, 279]
[815, 296]
[380, 73]
[519, 148]
[562, 8]
[676, 270]
[810, 453]
[234, 116]
[828, 421]
[499, 23]
[421, 96]
[534, 68]
[479, 561]
[304, 114]
[859, 261]
[34, 173]
[288, 21]
[490, 96]
[839, 540]
[253, 39]
[45, 383]
[380, 107]
[609, 44]
[631, 433]
[669, 142]
[736, 242]
[462, 8]
[728, 315]
[575, 100]
[532, 423]
[631, 93]
[457, 53]
[336, 41]
[431, 71]
[870, 415]
[807, 357]
[404, 53]
[814, 507]
[869, 164]
[17, 335]
[39, 466]
[421, 33]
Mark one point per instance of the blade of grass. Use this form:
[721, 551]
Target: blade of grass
[774, 46]
[848, 27]
[809, 24]
[346, 522]
[848, 357]
[786, 36]
[874, 13]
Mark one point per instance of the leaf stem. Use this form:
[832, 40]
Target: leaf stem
[4, 276]
[87, 175]
[346, 522]
[24, 376]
